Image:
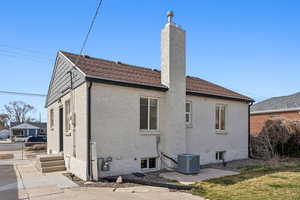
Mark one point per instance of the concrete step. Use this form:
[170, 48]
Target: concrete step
[51, 163]
[46, 158]
[53, 169]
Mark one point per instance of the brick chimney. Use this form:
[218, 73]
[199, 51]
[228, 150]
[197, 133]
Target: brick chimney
[173, 75]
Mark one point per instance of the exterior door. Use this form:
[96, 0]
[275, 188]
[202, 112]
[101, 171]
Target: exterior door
[61, 129]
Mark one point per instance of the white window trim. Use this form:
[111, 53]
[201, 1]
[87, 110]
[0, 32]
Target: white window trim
[189, 124]
[149, 169]
[220, 131]
[218, 153]
[51, 118]
[67, 118]
[152, 131]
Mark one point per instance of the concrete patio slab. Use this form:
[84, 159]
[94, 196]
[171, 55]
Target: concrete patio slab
[205, 174]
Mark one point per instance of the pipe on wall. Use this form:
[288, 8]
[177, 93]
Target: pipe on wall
[89, 172]
[249, 106]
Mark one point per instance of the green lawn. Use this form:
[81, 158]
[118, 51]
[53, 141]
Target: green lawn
[256, 182]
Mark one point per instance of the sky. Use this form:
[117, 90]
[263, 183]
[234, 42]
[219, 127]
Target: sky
[251, 47]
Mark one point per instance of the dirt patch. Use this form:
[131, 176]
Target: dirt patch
[6, 156]
[36, 147]
[152, 177]
[101, 183]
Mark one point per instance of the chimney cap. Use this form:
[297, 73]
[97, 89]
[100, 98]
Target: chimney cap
[170, 15]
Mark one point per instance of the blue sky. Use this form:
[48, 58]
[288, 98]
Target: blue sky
[251, 47]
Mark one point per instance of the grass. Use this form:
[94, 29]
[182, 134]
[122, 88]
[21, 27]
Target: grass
[259, 182]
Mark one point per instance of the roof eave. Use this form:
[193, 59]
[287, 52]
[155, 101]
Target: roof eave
[152, 87]
[124, 83]
[219, 96]
[275, 111]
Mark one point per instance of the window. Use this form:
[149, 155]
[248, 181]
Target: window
[220, 117]
[67, 115]
[144, 163]
[188, 113]
[148, 114]
[152, 163]
[148, 163]
[220, 155]
[51, 118]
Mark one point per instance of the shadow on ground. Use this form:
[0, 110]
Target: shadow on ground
[8, 183]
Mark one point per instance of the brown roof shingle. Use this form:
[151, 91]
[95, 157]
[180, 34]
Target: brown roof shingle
[120, 72]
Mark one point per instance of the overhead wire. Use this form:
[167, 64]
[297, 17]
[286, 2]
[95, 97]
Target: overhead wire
[22, 93]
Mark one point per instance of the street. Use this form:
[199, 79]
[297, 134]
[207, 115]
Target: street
[10, 146]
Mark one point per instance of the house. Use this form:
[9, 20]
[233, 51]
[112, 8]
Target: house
[2, 121]
[283, 106]
[4, 134]
[28, 129]
[134, 119]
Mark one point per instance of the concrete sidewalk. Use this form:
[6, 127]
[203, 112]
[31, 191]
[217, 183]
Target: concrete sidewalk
[19, 179]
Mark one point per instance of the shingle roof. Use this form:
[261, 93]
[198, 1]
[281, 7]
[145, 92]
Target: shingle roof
[117, 71]
[278, 103]
[42, 125]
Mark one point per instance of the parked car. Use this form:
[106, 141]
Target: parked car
[20, 139]
[31, 140]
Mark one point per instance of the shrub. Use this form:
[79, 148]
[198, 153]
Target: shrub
[279, 136]
[37, 147]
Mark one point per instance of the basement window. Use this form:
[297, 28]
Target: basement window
[220, 155]
[144, 164]
[148, 163]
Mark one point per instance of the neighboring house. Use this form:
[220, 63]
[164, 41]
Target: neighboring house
[28, 129]
[2, 124]
[283, 106]
[4, 134]
[126, 116]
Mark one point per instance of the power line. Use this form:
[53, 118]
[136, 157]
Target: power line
[24, 57]
[25, 49]
[22, 93]
[25, 54]
[21, 54]
[90, 28]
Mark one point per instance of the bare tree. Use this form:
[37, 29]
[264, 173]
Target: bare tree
[19, 111]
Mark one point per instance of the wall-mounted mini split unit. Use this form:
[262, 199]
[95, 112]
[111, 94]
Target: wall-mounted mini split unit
[188, 163]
